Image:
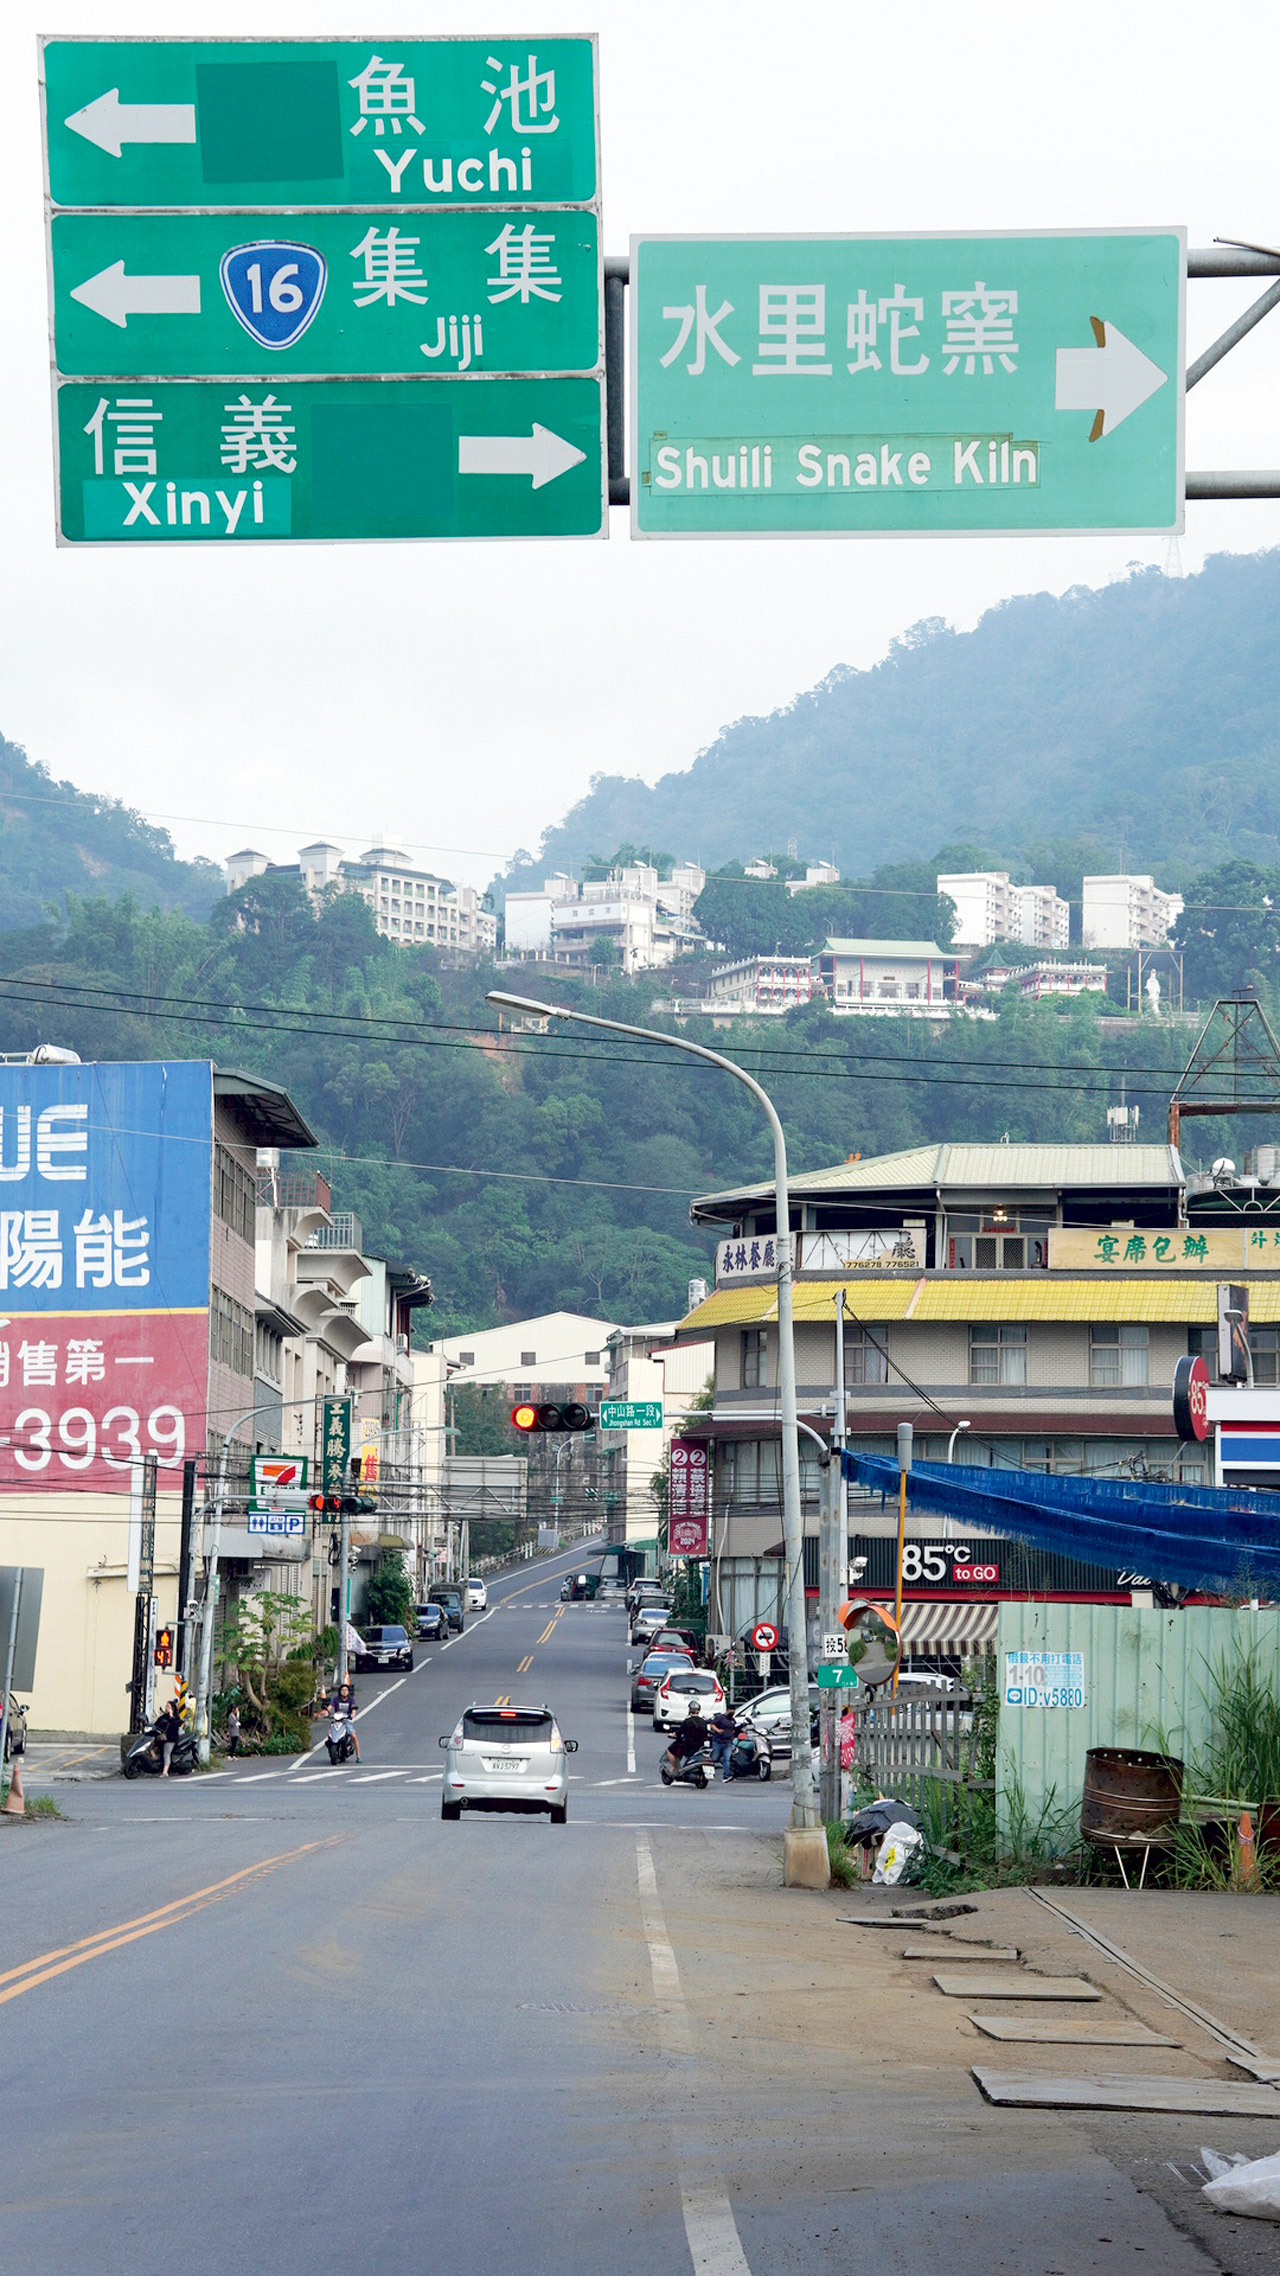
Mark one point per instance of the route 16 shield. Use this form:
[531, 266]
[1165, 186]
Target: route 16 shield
[273, 289]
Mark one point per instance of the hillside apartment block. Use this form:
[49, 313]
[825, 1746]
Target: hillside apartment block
[1032, 1299]
[410, 906]
[645, 919]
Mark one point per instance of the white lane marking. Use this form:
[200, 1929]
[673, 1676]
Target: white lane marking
[631, 1744]
[370, 1704]
[259, 1775]
[371, 1777]
[313, 1777]
[714, 2244]
[426, 1781]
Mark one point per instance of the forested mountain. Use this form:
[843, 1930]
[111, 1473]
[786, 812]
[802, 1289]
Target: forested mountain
[529, 1173]
[1143, 719]
[56, 840]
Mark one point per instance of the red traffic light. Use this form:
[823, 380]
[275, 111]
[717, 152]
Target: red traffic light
[325, 1505]
[573, 1416]
[163, 1654]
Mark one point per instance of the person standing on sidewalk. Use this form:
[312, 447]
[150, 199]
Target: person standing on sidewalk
[233, 1731]
[167, 1730]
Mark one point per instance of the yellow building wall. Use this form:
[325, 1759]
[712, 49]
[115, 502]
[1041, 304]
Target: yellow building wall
[84, 1657]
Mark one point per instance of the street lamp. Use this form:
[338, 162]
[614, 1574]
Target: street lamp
[951, 1442]
[805, 1855]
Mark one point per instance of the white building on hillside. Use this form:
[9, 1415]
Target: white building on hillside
[645, 919]
[530, 1358]
[1128, 912]
[816, 873]
[761, 984]
[989, 908]
[883, 975]
[411, 906]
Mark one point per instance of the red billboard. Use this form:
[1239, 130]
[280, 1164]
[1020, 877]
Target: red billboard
[83, 1394]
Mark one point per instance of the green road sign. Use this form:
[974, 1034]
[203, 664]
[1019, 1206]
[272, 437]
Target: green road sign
[218, 462]
[907, 386]
[631, 1414]
[335, 1455]
[177, 122]
[829, 1678]
[197, 294]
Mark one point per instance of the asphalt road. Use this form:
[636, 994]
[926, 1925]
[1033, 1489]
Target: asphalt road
[287, 2021]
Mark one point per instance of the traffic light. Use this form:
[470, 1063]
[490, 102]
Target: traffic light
[325, 1505]
[163, 1654]
[573, 1416]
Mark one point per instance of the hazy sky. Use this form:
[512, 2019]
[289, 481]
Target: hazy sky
[460, 697]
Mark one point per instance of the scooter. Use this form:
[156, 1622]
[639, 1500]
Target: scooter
[695, 1770]
[751, 1755]
[146, 1755]
[341, 1739]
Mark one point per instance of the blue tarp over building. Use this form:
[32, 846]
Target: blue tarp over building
[1201, 1537]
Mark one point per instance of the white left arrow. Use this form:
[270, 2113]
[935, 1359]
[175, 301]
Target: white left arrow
[540, 454]
[1111, 379]
[111, 123]
[118, 297]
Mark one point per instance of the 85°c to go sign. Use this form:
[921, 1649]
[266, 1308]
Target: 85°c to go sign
[907, 386]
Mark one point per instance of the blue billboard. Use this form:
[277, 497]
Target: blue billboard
[105, 1187]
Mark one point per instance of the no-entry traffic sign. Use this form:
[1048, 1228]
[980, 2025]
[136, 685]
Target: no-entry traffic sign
[911, 386]
[764, 1636]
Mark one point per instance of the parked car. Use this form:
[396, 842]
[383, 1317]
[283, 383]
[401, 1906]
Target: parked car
[770, 1711]
[476, 1595]
[384, 1647]
[433, 1623]
[681, 1690]
[673, 1639]
[647, 1592]
[646, 1623]
[507, 1758]
[15, 1731]
[451, 1598]
[649, 1674]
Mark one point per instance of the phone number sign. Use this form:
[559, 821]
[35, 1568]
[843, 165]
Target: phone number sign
[1044, 1679]
[83, 1395]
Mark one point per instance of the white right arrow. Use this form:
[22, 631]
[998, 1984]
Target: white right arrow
[111, 123]
[1111, 379]
[541, 454]
[118, 297]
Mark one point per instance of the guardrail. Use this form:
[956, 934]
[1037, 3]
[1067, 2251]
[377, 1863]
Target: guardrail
[922, 1751]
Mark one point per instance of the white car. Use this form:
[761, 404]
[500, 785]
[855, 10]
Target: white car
[507, 1758]
[684, 1688]
[475, 1596]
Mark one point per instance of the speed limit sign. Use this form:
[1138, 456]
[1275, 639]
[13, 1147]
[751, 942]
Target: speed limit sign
[764, 1636]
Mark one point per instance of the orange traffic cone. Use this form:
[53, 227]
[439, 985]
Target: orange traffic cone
[15, 1801]
[1246, 1875]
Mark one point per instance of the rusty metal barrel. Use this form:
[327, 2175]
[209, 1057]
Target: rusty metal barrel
[1132, 1797]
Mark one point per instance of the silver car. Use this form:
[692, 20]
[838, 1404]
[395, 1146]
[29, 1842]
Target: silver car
[507, 1758]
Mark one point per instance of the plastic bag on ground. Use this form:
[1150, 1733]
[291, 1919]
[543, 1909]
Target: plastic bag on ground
[895, 1852]
[1243, 2185]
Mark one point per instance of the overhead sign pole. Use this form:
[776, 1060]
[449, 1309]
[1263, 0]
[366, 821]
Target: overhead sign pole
[218, 218]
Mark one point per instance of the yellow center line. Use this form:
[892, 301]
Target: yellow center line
[56, 1963]
[525, 1665]
[505, 1700]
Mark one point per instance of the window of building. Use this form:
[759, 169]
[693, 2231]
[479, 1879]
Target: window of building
[591, 1359]
[864, 1361]
[755, 1345]
[1118, 1354]
[234, 1193]
[466, 1359]
[998, 1354]
[997, 1240]
[528, 1359]
[230, 1333]
[1202, 1343]
[753, 1467]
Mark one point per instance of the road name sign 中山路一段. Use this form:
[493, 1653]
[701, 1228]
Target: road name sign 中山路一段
[194, 295]
[631, 1414]
[428, 122]
[234, 460]
[910, 386]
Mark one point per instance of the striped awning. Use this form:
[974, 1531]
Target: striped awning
[949, 1627]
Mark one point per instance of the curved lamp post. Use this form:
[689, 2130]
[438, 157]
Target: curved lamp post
[806, 1847]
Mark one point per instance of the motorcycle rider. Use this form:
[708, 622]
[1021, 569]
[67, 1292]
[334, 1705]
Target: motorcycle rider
[691, 1736]
[342, 1710]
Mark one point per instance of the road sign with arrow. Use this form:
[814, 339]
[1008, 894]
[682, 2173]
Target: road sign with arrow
[329, 459]
[231, 233]
[908, 386]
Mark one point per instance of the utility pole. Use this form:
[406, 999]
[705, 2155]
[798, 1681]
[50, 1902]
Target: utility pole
[832, 1563]
[905, 1436]
[344, 1584]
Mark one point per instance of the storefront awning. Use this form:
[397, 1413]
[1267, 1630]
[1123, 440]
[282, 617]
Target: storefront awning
[949, 1627]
